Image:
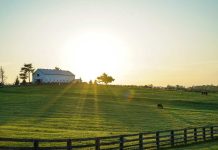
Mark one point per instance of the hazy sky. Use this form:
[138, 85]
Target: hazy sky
[156, 42]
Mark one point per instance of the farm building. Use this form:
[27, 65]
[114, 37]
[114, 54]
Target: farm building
[52, 76]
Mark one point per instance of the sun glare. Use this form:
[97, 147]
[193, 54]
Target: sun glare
[91, 54]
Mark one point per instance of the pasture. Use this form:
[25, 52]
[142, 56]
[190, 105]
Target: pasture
[76, 111]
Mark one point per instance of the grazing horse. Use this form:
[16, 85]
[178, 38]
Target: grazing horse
[160, 106]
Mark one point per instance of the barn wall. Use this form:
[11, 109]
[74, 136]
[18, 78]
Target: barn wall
[57, 79]
[35, 77]
[52, 78]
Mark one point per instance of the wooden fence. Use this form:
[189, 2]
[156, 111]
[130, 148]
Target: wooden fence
[147, 140]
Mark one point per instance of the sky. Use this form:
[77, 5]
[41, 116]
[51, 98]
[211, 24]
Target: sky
[138, 42]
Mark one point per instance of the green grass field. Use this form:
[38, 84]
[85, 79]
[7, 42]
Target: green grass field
[202, 146]
[86, 111]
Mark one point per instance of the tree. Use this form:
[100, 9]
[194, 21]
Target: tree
[2, 76]
[17, 82]
[23, 76]
[90, 82]
[57, 68]
[95, 82]
[26, 71]
[105, 78]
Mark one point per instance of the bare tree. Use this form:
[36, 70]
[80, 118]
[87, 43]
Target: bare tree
[2, 76]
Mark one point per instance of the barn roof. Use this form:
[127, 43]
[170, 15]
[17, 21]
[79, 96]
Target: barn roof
[55, 72]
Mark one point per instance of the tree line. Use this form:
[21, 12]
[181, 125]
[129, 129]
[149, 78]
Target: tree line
[104, 78]
[2, 76]
[28, 69]
[25, 73]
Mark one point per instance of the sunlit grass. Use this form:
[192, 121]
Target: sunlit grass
[213, 145]
[74, 111]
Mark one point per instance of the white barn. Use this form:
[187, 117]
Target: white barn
[52, 76]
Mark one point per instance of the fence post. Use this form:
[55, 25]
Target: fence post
[97, 144]
[121, 142]
[158, 139]
[141, 141]
[36, 144]
[185, 136]
[195, 135]
[204, 134]
[172, 138]
[69, 144]
[211, 132]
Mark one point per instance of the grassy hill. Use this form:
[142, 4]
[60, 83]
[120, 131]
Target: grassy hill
[85, 111]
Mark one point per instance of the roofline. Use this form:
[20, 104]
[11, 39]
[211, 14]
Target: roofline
[53, 74]
[58, 74]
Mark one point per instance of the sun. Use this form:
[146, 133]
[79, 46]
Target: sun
[91, 53]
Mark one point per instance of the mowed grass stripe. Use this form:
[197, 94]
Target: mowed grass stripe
[85, 111]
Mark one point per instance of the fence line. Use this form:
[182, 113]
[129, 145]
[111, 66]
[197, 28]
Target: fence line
[147, 140]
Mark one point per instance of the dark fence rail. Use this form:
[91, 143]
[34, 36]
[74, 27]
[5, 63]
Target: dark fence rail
[147, 140]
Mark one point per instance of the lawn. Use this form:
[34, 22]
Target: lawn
[71, 111]
[203, 146]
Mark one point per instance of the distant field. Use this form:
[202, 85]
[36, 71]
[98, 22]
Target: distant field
[87, 111]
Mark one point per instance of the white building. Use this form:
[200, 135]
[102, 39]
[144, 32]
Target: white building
[52, 76]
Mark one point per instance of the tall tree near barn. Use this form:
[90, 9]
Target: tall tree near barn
[26, 71]
[23, 76]
[2, 76]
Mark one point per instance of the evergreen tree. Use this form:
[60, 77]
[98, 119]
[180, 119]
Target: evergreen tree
[17, 82]
[90, 82]
[2, 76]
[26, 71]
[23, 76]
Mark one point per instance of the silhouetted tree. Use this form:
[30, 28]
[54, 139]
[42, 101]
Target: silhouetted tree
[90, 82]
[180, 87]
[2, 76]
[95, 82]
[26, 71]
[17, 82]
[57, 68]
[23, 76]
[105, 78]
[149, 86]
[171, 87]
